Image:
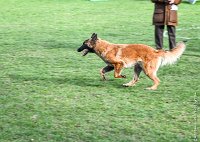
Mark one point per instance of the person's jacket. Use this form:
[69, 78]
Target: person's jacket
[163, 14]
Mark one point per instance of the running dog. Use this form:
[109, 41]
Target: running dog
[141, 57]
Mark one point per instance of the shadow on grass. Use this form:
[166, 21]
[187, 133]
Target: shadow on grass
[53, 44]
[192, 55]
[81, 81]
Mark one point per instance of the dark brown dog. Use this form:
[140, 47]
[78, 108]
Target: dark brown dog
[140, 56]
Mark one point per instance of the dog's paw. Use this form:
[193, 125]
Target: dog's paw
[128, 85]
[103, 79]
[123, 76]
[120, 76]
[151, 88]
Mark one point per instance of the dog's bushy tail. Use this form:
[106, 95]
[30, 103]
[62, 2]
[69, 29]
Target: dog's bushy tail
[170, 57]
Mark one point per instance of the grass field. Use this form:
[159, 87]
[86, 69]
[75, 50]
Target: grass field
[49, 92]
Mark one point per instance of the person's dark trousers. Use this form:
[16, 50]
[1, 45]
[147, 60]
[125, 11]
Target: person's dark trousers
[172, 36]
[159, 36]
[159, 29]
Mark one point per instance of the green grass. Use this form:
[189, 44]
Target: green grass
[49, 92]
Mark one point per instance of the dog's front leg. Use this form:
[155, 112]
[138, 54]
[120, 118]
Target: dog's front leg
[104, 70]
[118, 68]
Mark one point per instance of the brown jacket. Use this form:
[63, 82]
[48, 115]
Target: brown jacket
[163, 15]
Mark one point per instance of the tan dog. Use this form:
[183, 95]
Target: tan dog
[140, 56]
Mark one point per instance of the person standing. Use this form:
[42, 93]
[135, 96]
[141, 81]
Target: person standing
[165, 14]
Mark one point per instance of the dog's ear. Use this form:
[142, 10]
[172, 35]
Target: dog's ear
[94, 37]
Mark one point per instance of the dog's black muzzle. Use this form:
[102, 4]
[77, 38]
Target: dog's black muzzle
[85, 49]
[82, 48]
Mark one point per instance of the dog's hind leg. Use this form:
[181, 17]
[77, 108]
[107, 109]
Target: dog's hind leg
[105, 70]
[151, 71]
[155, 80]
[137, 71]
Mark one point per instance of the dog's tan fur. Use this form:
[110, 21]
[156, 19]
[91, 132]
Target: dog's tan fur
[139, 56]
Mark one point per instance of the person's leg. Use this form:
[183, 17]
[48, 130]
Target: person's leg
[172, 36]
[159, 36]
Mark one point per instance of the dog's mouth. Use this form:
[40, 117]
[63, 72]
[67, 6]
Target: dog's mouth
[85, 52]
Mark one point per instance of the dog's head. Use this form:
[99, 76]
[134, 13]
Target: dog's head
[88, 45]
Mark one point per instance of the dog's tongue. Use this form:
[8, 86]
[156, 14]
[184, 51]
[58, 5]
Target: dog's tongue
[85, 51]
